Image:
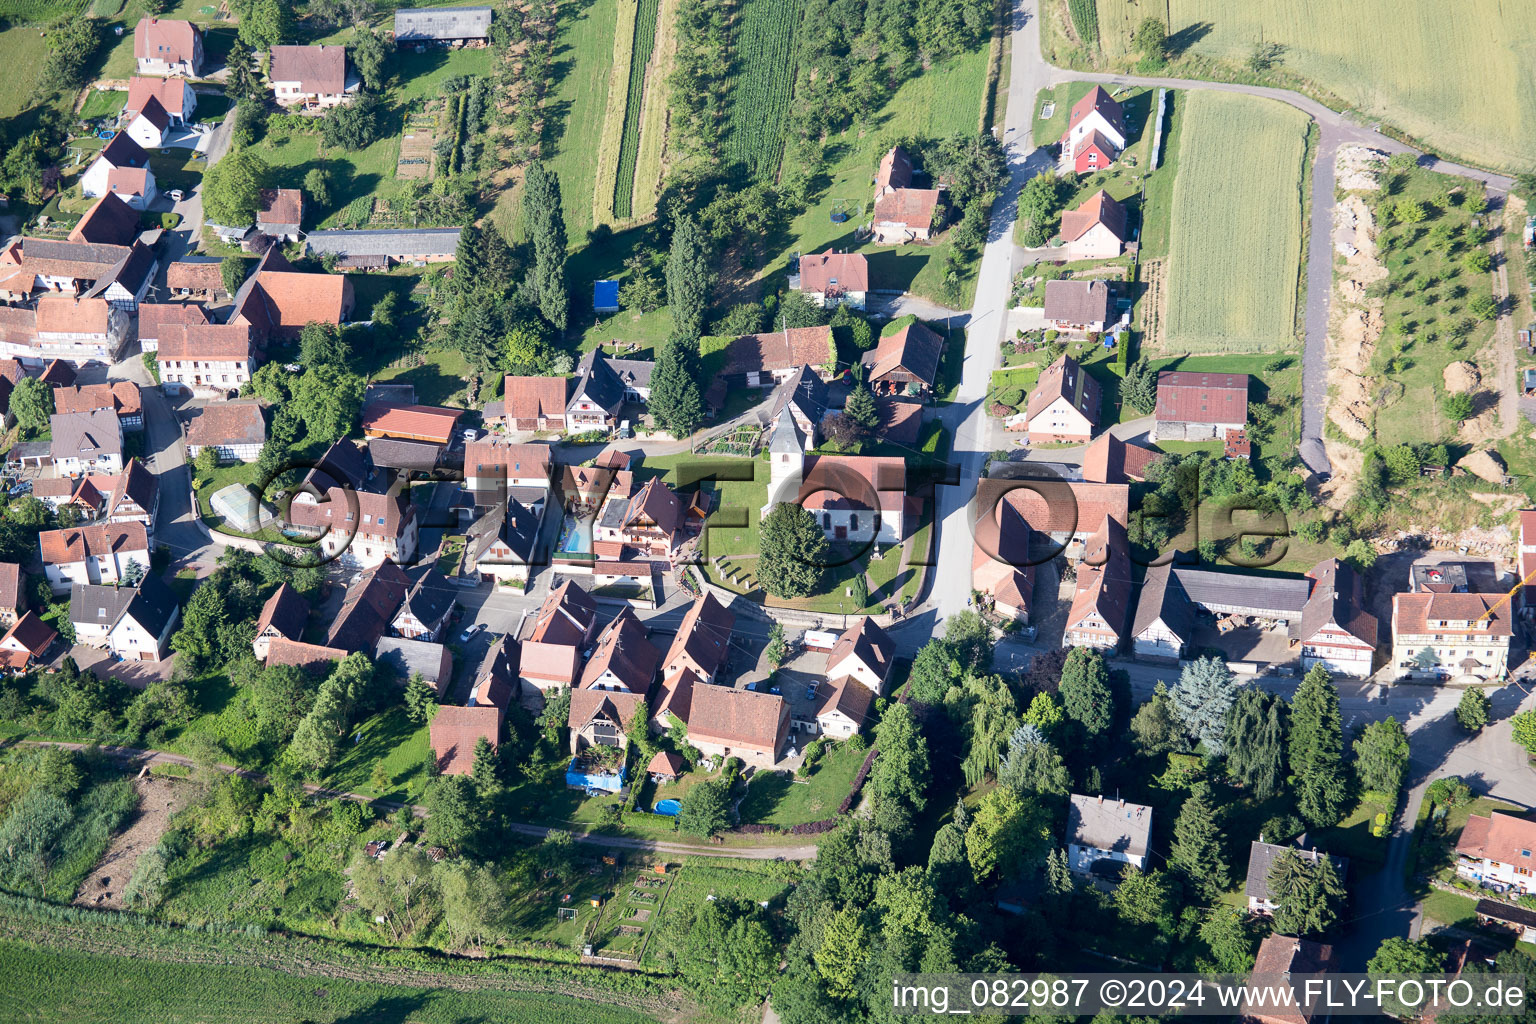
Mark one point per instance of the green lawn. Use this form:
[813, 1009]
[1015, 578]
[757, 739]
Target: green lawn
[421, 75]
[1352, 837]
[776, 798]
[103, 103]
[356, 175]
[393, 740]
[1449, 908]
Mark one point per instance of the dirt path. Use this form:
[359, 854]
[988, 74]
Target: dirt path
[159, 798]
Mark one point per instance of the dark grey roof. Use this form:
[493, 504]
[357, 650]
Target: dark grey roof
[1494, 910]
[392, 453]
[343, 463]
[399, 243]
[1163, 597]
[431, 598]
[613, 513]
[102, 605]
[97, 254]
[634, 373]
[153, 605]
[131, 271]
[390, 394]
[442, 23]
[806, 391]
[85, 435]
[29, 450]
[1262, 857]
[596, 381]
[407, 657]
[1278, 596]
[519, 527]
[122, 151]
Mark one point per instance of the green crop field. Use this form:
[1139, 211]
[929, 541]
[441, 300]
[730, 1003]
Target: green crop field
[1235, 241]
[1461, 77]
[50, 985]
[629, 148]
[765, 55]
[38, 11]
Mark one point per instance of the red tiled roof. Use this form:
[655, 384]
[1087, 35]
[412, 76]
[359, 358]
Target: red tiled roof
[565, 617]
[913, 348]
[227, 423]
[63, 314]
[780, 350]
[1285, 955]
[704, 635]
[912, 207]
[1100, 208]
[895, 170]
[1056, 506]
[737, 718]
[533, 398]
[285, 611]
[280, 206]
[849, 270]
[455, 731]
[297, 298]
[221, 342]
[10, 584]
[164, 39]
[193, 277]
[416, 422]
[32, 633]
[121, 397]
[1109, 460]
[1184, 396]
[318, 69]
[171, 92]
[854, 481]
[1104, 103]
[154, 317]
[1488, 613]
[63, 547]
[625, 650]
[109, 221]
[282, 651]
[901, 421]
[556, 663]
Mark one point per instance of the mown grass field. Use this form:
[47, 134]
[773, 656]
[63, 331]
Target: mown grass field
[579, 98]
[1461, 77]
[644, 44]
[653, 114]
[765, 56]
[21, 54]
[1235, 240]
[51, 985]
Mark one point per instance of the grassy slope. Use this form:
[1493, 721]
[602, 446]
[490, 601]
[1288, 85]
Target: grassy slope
[1465, 83]
[578, 99]
[1236, 236]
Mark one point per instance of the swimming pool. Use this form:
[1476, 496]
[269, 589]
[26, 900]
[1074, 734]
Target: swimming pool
[575, 535]
[668, 807]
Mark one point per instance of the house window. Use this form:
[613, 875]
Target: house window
[826, 520]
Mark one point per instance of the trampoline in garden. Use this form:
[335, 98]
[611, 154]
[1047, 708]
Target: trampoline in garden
[669, 807]
[840, 211]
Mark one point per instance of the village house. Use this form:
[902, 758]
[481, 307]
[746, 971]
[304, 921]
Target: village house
[1001, 567]
[563, 629]
[601, 718]
[1100, 829]
[1078, 306]
[1282, 956]
[529, 404]
[150, 127]
[118, 397]
[597, 395]
[647, 525]
[281, 213]
[496, 679]
[905, 362]
[1164, 625]
[843, 708]
[443, 26]
[406, 658]
[78, 330]
[1065, 513]
[1526, 559]
[174, 96]
[193, 279]
[703, 642]
[835, 278]
[316, 659]
[1261, 863]
[93, 554]
[382, 248]
[1095, 134]
[169, 318]
[500, 545]
[496, 469]
[1109, 460]
[143, 629]
[1096, 230]
[234, 430]
[120, 155]
[26, 642]
[672, 700]
[455, 732]
[1101, 603]
[903, 213]
[1498, 850]
[109, 221]
[727, 722]
[865, 654]
[13, 593]
[277, 301]
[624, 660]
[87, 443]
[1194, 406]
[1336, 631]
[208, 360]
[93, 610]
[162, 46]
[359, 528]
[1450, 636]
[313, 78]
[116, 274]
[282, 617]
[370, 603]
[424, 613]
[763, 360]
[410, 422]
[1065, 404]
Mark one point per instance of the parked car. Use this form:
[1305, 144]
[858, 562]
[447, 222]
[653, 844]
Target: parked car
[625, 430]
[471, 434]
[469, 634]
[25, 487]
[177, 195]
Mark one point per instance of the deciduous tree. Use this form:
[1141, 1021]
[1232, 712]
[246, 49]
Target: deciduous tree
[1381, 756]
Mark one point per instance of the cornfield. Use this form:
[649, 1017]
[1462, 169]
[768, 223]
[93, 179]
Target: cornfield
[1460, 76]
[629, 148]
[37, 12]
[1085, 20]
[760, 96]
[1235, 240]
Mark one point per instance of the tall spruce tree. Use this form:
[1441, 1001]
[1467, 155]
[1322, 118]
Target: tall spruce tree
[1199, 845]
[1307, 894]
[1256, 742]
[690, 277]
[1316, 750]
[545, 223]
[1206, 689]
[675, 400]
[860, 408]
